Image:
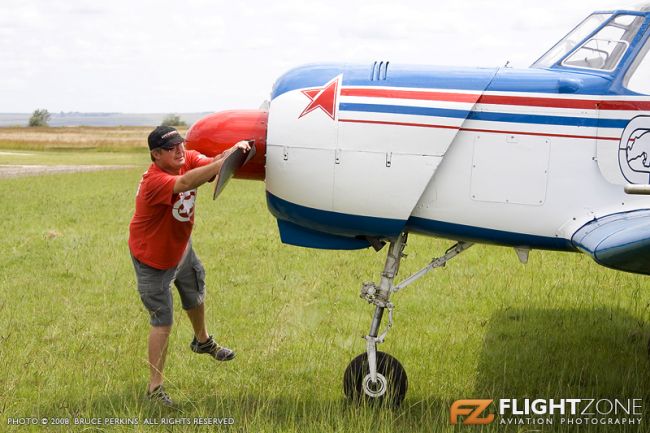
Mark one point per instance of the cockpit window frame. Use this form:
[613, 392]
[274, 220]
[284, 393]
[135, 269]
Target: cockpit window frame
[642, 53]
[559, 63]
[537, 63]
[613, 68]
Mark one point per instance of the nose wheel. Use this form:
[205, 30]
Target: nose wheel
[390, 387]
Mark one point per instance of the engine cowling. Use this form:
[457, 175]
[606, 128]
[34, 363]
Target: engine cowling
[217, 132]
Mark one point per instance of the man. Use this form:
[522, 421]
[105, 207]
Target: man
[161, 248]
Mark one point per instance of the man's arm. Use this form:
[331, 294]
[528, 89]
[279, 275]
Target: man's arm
[200, 175]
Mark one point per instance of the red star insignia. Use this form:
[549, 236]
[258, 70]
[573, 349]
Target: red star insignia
[323, 98]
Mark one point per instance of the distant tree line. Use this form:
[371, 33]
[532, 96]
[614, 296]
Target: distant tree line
[40, 117]
[173, 120]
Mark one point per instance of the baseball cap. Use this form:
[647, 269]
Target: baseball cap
[165, 137]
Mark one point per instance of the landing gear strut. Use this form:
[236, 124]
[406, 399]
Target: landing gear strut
[376, 377]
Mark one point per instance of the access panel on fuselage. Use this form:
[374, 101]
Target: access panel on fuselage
[510, 168]
[382, 184]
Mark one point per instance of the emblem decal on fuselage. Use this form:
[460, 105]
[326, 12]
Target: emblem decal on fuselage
[325, 98]
[634, 151]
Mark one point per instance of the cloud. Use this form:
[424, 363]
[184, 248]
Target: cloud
[170, 56]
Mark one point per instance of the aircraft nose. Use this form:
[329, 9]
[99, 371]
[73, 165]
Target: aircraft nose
[217, 132]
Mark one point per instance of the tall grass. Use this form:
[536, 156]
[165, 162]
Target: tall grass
[122, 138]
[73, 331]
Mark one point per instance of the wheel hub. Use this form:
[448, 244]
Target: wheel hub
[377, 389]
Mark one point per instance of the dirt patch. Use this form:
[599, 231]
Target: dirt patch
[7, 171]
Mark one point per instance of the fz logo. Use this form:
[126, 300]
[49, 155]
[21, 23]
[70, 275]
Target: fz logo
[184, 206]
[472, 409]
[634, 151]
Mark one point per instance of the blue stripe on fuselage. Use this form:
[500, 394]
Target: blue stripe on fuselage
[335, 223]
[401, 109]
[341, 224]
[485, 116]
[484, 235]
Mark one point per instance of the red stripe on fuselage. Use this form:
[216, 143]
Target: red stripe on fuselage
[410, 94]
[584, 104]
[540, 134]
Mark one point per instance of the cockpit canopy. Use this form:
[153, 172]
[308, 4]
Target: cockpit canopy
[611, 44]
[598, 43]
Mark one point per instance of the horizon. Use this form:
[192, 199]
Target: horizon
[98, 119]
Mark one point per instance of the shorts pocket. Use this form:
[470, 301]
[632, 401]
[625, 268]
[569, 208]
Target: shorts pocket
[153, 287]
[199, 277]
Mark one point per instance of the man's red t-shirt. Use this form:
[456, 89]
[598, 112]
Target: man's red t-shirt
[162, 223]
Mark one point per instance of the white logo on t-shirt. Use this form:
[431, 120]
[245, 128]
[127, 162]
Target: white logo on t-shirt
[184, 207]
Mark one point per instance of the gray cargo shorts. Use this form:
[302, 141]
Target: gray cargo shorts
[154, 286]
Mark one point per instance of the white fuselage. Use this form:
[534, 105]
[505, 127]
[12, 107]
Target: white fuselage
[507, 167]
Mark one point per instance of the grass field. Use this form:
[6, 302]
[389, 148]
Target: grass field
[73, 331]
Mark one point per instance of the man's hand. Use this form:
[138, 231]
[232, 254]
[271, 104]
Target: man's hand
[198, 176]
[243, 145]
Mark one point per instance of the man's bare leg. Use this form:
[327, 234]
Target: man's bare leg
[158, 339]
[197, 317]
[206, 345]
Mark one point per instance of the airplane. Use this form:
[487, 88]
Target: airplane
[554, 157]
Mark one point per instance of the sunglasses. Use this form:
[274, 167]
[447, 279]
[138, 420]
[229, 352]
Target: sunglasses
[173, 149]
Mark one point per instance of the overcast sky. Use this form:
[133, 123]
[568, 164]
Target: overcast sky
[209, 55]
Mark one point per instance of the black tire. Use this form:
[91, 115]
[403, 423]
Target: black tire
[396, 381]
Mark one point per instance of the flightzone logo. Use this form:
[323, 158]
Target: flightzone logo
[564, 411]
[472, 411]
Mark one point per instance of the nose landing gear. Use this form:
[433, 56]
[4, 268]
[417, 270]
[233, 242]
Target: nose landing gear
[375, 377]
